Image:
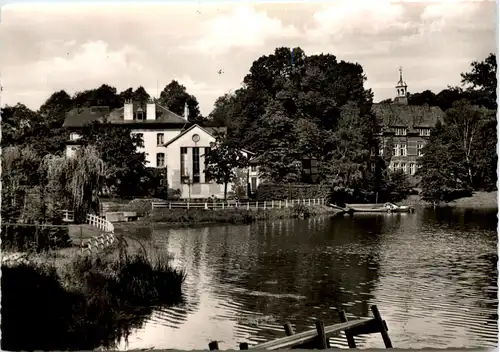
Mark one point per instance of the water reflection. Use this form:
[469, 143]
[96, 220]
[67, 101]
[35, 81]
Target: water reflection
[433, 275]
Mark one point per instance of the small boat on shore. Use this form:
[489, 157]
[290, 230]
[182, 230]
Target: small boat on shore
[374, 208]
[379, 208]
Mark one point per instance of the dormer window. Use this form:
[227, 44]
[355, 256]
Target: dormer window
[424, 132]
[139, 114]
[400, 131]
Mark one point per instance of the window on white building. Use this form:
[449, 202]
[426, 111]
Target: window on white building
[254, 183]
[184, 174]
[403, 149]
[196, 165]
[160, 139]
[424, 132]
[396, 167]
[400, 131]
[253, 168]
[420, 146]
[403, 167]
[207, 152]
[396, 150]
[160, 160]
[412, 169]
[139, 114]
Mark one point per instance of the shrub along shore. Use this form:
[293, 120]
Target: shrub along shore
[62, 301]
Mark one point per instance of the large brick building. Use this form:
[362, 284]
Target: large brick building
[405, 128]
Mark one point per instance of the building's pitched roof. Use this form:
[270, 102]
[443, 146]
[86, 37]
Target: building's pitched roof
[163, 115]
[80, 117]
[209, 130]
[410, 116]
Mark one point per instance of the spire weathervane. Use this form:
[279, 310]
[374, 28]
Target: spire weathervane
[401, 73]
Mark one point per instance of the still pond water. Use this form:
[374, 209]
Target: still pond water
[433, 275]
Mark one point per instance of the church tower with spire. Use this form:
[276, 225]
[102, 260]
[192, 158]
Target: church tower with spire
[402, 90]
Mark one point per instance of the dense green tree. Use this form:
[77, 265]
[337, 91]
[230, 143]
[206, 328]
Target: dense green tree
[175, 96]
[223, 161]
[426, 97]
[117, 147]
[105, 95]
[223, 112]
[441, 169]
[17, 122]
[481, 81]
[347, 164]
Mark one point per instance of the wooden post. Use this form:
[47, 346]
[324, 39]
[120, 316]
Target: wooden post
[206, 206]
[223, 205]
[213, 346]
[288, 329]
[272, 204]
[264, 205]
[309, 201]
[81, 236]
[280, 204]
[383, 330]
[320, 328]
[169, 205]
[243, 346]
[188, 204]
[286, 203]
[248, 205]
[350, 338]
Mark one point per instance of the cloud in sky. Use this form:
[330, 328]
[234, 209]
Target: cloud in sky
[151, 44]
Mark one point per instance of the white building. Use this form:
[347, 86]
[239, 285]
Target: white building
[170, 142]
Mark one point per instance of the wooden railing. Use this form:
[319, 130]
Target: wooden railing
[101, 223]
[318, 338]
[103, 241]
[238, 204]
[68, 215]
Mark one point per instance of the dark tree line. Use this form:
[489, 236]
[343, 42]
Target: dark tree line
[294, 108]
[127, 175]
[461, 155]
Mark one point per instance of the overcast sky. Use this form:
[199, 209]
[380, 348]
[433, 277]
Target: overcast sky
[81, 46]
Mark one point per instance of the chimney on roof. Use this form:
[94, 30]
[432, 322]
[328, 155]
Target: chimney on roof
[186, 112]
[151, 110]
[128, 110]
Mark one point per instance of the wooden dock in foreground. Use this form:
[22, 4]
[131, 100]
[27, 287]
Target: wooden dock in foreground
[319, 338]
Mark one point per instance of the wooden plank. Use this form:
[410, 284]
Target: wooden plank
[320, 329]
[371, 327]
[348, 332]
[382, 325]
[307, 336]
[288, 329]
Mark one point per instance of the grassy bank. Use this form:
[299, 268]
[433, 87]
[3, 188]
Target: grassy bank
[62, 301]
[234, 215]
[478, 200]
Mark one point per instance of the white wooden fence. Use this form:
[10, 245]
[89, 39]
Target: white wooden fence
[101, 223]
[68, 215]
[103, 241]
[236, 204]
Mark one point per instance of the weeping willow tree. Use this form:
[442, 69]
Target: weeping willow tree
[75, 182]
[19, 183]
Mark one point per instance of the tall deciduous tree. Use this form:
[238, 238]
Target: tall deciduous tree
[465, 122]
[125, 168]
[223, 161]
[482, 81]
[174, 97]
[441, 168]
